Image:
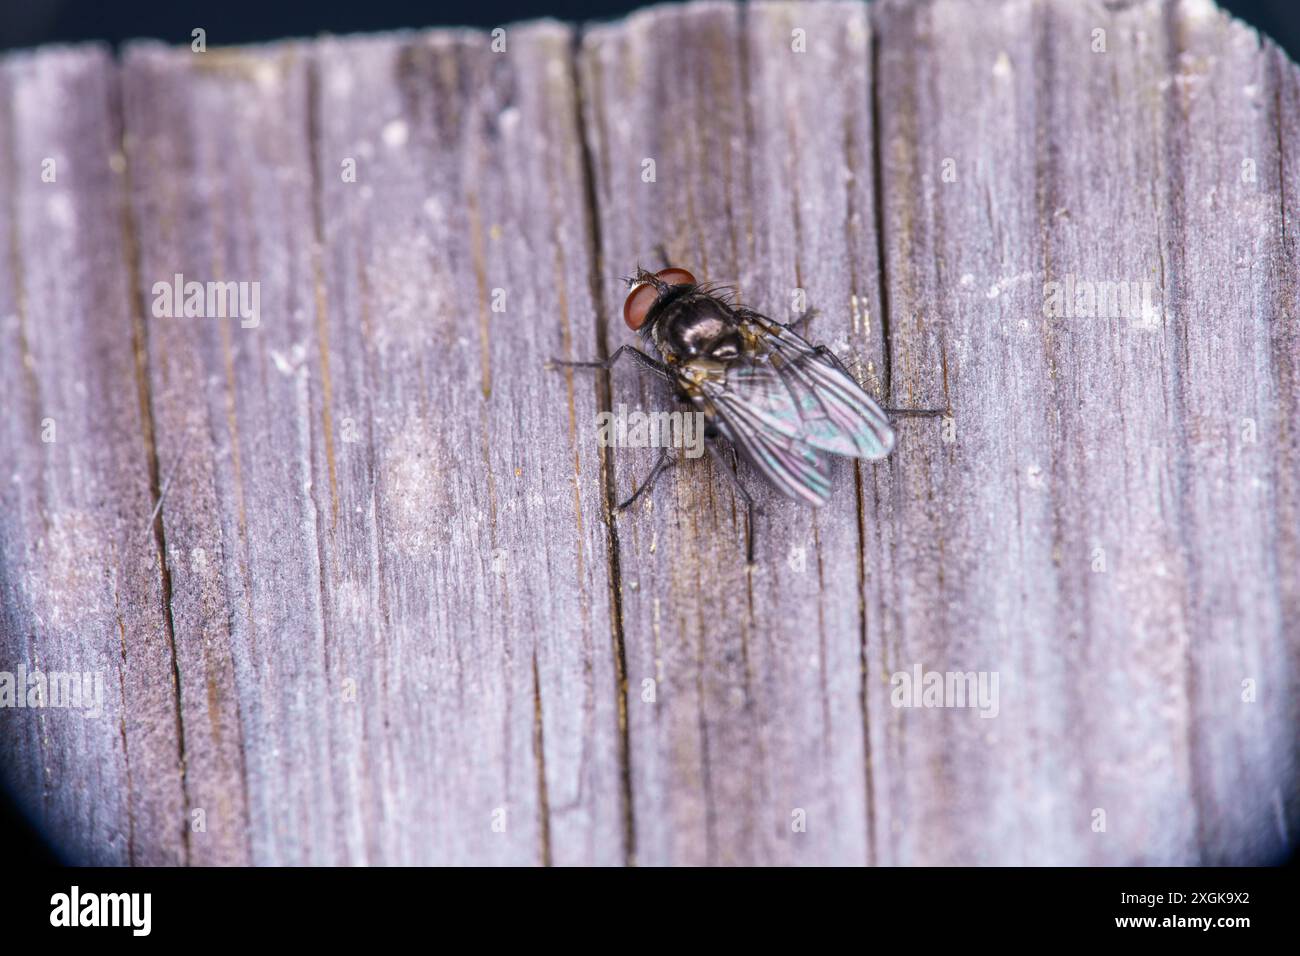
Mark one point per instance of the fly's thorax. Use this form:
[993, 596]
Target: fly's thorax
[697, 326]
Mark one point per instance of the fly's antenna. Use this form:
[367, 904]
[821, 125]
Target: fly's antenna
[643, 276]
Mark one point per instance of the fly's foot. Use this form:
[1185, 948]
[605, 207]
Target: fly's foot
[666, 460]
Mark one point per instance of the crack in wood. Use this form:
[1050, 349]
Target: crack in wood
[140, 350]
[586, 126]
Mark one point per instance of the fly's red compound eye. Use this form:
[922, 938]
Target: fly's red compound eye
[676, 276]
[638, 302]
[637, 305]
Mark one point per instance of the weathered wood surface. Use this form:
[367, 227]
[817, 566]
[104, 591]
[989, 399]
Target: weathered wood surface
[385, 615]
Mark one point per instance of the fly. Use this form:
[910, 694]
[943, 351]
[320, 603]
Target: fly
[785, 404]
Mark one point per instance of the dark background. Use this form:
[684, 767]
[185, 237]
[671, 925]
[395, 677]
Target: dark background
[27, 23]
[32, 22]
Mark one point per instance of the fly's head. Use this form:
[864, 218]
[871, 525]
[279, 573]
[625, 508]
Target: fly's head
[684, 321]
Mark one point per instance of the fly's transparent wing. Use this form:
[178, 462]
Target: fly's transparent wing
[756, 410]
[837, 415]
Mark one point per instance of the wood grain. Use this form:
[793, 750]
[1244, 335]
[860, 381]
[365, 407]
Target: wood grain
[1089, 443]
[352, 576]
[81, 574]
[757, 710]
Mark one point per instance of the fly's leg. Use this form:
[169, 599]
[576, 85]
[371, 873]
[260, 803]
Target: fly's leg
[808, 316]
[665, 461]
[637, 356]
[658, 368]
[716, 455]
